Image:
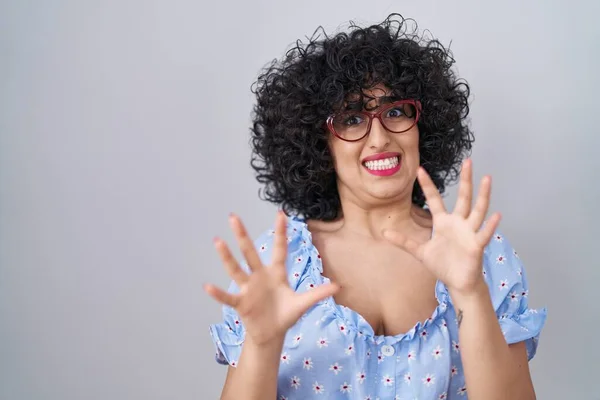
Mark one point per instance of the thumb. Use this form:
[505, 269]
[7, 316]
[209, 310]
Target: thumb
[400, 240]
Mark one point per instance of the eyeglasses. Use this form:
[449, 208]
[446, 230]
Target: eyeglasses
[397, 117]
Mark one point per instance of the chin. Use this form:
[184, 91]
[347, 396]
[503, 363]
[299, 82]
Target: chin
[391, 189]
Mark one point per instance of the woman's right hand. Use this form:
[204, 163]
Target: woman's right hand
[266, 303]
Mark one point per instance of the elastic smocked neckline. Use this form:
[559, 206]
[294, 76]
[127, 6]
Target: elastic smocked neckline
[351, 319]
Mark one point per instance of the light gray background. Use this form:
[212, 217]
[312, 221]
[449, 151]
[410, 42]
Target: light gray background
[124, 145]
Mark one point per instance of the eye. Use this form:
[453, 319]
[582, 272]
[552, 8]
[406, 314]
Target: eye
[352, 119]
[395, 112]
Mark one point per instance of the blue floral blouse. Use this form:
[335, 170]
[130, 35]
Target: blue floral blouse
[333, 353]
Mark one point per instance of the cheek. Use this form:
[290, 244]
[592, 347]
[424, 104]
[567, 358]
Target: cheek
[414, 137]
[414, 142]
[410, 144]
[344, 154]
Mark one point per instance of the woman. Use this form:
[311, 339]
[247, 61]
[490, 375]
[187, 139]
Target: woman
[371, 289]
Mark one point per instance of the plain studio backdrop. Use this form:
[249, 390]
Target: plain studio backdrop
[124, 130]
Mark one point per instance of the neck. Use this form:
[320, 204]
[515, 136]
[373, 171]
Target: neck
[400, 215]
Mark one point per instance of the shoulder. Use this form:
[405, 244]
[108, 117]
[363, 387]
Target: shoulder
[300, 249]
[504, 271]
[297, 236]
[500, 257]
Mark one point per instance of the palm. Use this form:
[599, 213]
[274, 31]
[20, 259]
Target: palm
[454, 253]
[266, 303]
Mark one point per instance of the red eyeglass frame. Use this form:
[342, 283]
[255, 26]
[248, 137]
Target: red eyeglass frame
[377, 114]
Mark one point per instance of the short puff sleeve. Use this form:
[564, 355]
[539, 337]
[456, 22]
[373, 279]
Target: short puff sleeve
[509, 289]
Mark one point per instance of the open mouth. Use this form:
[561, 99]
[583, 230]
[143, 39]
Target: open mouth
[383, 164]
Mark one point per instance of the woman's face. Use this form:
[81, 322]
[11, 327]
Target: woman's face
[376, 182]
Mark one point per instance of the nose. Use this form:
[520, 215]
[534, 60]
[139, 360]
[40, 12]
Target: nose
[379, 138]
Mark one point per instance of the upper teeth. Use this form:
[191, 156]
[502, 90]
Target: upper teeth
[384, 163]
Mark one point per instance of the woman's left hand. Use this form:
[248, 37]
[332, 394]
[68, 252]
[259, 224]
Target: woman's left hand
[455, 252]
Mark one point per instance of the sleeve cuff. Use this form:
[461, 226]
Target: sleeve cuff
[526, 327]
[228, 344]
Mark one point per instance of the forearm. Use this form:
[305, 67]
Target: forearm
[491, 369]
[255, 376]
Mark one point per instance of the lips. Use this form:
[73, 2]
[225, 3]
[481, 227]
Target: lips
[382, 164]
[381, 156]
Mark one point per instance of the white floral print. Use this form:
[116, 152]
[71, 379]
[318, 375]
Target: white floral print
[333, 353]
[429, 380]
[295, 382]
[318, 388]
[437, 353]
[336, 368]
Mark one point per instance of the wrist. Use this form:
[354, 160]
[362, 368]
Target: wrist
[272, 345]
[476, 293]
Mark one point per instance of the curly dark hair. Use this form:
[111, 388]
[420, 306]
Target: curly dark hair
[296, 94]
